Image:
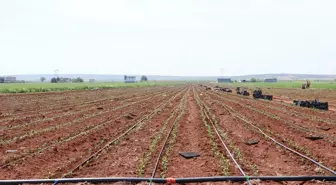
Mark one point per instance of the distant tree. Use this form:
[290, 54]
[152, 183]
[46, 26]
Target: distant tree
[77, 80]
[92, 80]
[335, 79]
[253, 80]
[144, 78]
[2, 80]
[54, 80]
[235, 81]
[42, 79]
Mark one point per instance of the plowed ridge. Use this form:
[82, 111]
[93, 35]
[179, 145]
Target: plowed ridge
[140, 133]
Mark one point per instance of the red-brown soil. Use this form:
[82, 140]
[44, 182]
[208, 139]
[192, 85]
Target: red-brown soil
[52, 133]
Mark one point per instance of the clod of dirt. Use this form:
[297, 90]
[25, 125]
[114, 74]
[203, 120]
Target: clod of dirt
[100, 108]
[254, 182]
[324, 128]
[313, 138]
[132, 114]
[253, 141]
[11, 151]
[18, 109]
[318, 170]
[128, 116]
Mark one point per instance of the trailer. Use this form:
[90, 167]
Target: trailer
[315, 104]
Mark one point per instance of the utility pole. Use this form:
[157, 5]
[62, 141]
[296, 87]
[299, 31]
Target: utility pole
[222, 72]
[56, 71]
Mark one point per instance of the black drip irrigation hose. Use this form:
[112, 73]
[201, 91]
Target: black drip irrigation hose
[278, 143]
[162, 149]
[118, 138]
[282, 145]
[226, 148]
[169, 180]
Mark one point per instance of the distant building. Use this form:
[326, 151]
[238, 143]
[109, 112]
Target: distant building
[129, 79]
[224, 80]
[271, 80]
[8, 79]
[65, 80]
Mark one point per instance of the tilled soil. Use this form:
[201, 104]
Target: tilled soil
[193, 137]
[48, 135]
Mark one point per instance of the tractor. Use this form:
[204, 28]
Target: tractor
[306, 86]
[257, 94]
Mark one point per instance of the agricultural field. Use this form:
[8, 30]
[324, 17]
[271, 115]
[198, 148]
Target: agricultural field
[287, 95]
[316, 84]
[140, 132]
[47, 87]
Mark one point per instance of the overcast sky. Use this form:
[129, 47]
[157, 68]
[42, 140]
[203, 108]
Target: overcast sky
[171, 37]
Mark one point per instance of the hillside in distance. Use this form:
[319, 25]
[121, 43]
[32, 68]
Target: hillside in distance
[116, 78]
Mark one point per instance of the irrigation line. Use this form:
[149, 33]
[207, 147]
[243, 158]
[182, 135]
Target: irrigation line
[89, 130]
[118, 93]
[38, 121]
[65, 140]
[73, 122]
[120, 136]
[275, 141]
[289, 123]
[165, 142]
[59, 108]
[169, 180]
[226, 148]
[286, 105]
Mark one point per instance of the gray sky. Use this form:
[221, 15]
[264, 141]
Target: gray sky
[172, 37]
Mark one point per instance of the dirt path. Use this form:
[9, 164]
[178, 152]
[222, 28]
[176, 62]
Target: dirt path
[193, 137]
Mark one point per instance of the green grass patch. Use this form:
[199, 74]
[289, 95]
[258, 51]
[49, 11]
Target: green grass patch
[286, 84]
[48, 87]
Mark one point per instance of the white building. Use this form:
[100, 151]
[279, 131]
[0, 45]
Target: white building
[129, 79]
